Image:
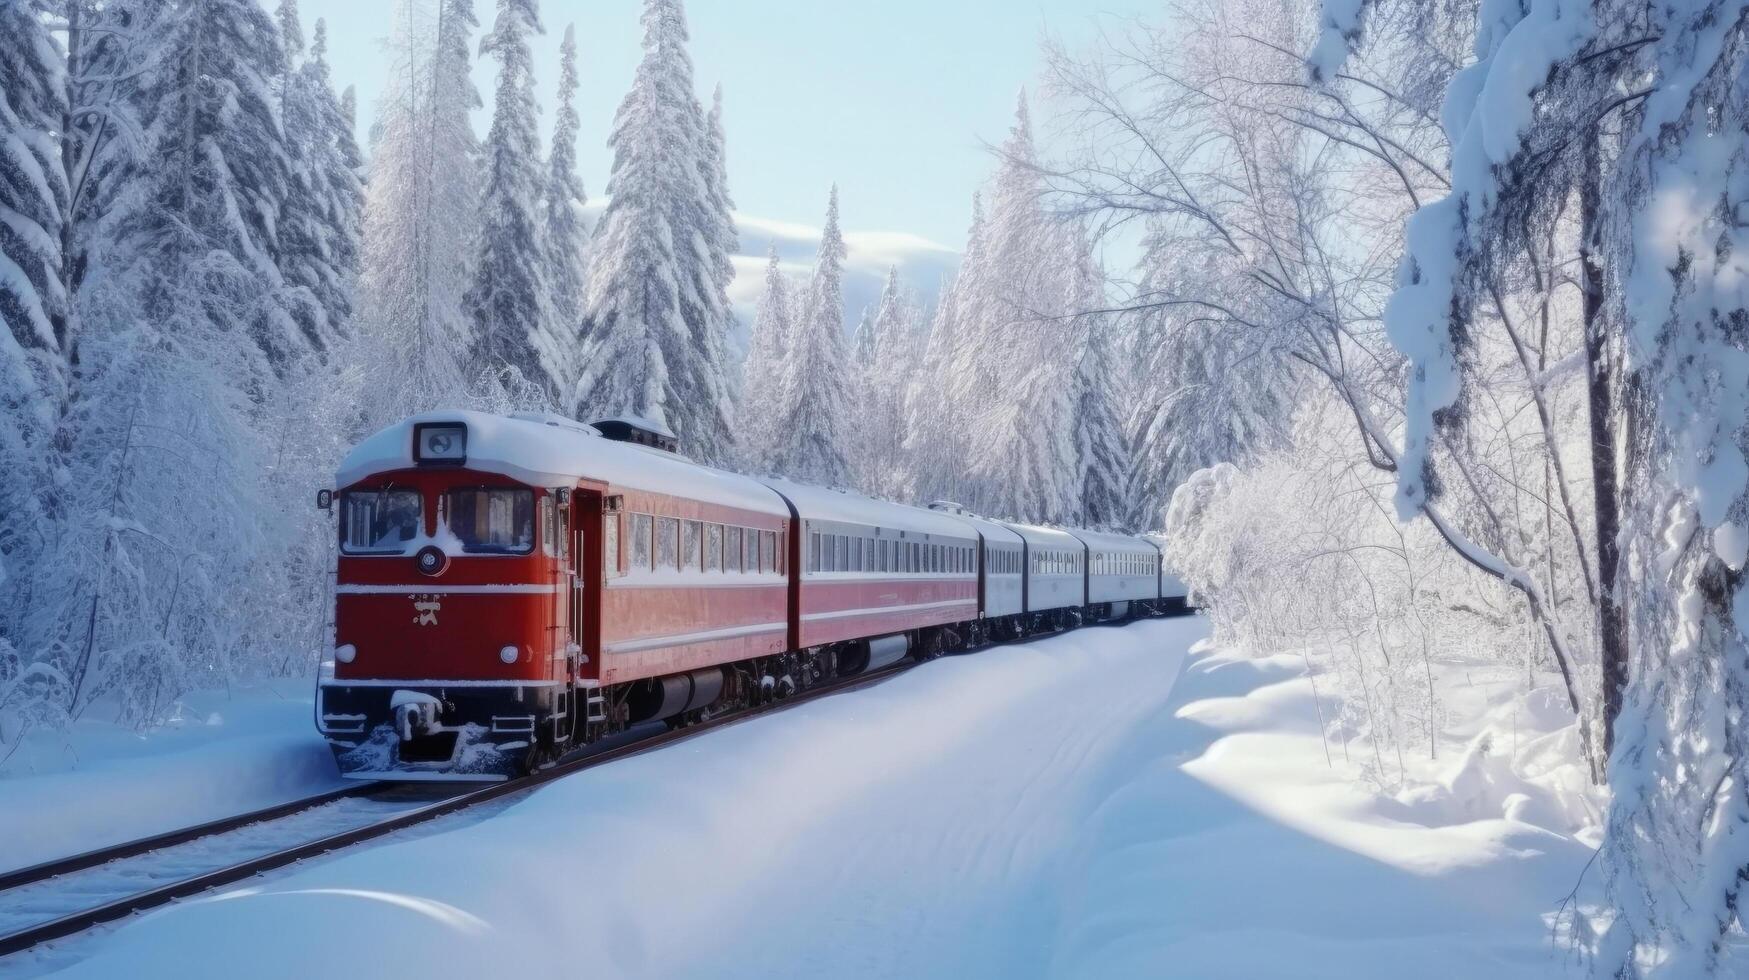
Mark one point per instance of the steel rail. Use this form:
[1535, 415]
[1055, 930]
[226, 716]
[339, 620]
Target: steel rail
[78, 922]
[145, 845]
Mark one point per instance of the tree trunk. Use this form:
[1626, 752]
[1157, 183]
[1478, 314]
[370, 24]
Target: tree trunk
[1601, 387]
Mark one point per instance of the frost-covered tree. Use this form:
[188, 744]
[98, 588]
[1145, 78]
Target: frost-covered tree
[812, 400]
[1102, 457]
[514, 336]
[319, 229]
[885, 360]
[34, 301]
[768, 347]
[657, 319]
[566, 234]
[937, 416]
[421, 213]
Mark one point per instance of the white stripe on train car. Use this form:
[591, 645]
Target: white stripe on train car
[429, 589]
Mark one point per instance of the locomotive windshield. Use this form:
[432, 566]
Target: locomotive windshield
[378, 522]
[492, 521]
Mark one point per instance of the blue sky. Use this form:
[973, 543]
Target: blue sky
[890, 98]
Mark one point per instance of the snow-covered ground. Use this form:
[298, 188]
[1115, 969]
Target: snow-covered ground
[1098, 804]
[100, 784]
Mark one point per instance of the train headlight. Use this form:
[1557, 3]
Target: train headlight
[509, 654]
[440, 443]
[345, 653]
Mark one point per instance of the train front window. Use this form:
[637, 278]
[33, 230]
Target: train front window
[491, 520]
[378, 522]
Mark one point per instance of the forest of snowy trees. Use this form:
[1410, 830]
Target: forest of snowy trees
[211, 289]
[1444, 306]
[1421, 327]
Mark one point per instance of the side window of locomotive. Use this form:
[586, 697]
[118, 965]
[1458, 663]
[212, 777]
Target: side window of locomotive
[492, 520]
[640, 534]
[713, 547]
[732, 550]
[767, 551]
[378, 522]
[610, 544]
[667, 542]
[549, 537]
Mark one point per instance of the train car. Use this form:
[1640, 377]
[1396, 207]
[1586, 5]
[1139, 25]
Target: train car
[1174, 594]
[507, 587]
[1121, 571]
[1001, 575]
[1054, 589]
[877, 579]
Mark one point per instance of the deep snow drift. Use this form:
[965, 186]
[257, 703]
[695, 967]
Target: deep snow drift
[99, 784]
[1085, 805]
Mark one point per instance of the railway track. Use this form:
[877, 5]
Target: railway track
[68, 896]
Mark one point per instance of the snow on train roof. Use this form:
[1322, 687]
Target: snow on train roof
[1050, 537]
[550, 450]
[821, 504]
[1105, 541]
[993, 531]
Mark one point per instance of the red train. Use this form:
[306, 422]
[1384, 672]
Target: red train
[508, 589]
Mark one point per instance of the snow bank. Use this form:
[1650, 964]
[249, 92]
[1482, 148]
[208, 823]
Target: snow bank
[1082, 806]
[100, 784]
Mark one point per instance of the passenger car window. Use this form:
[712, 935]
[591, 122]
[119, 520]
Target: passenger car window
[689, 537]
[639, 532]
[492, 520]
[378, 522]
[667, 542]
[610, 544]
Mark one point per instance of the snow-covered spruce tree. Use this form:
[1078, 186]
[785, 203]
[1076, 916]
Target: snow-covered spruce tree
[514, 336]
[938, 408]
[656, 321]
[319, 230]
[421, 211]
[34, 216]
[884, 362]
[566, 233]
[812, 400]
[1102, 456]
[1022, 454]
[768, 347]
[184, 350]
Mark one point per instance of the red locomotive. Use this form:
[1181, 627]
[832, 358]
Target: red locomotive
[510, 588]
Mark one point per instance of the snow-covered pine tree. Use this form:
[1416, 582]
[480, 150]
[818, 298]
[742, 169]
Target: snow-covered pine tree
[421, 211]
[885, 363]
[184, 351]
[1103, 457]
[1022, 453]
[566, 234]
[514, 341]
[657, 320]
[218, 181]
[319, 229]
[940, 404]
[767, 349]
[813, 396]
[34, 216]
